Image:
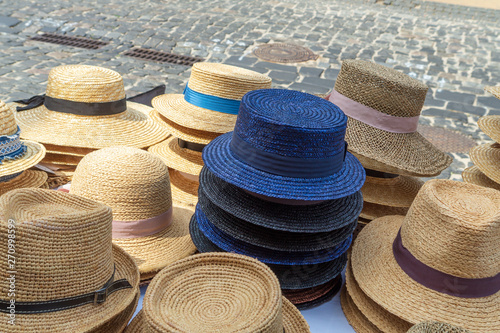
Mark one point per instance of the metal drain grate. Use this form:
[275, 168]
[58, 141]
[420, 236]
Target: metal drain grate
[284, 53]
[162, 56]
[82, 42]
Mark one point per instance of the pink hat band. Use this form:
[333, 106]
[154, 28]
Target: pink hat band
[142, 228]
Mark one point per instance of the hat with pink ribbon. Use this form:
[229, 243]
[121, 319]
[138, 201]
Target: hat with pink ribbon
[147, 224]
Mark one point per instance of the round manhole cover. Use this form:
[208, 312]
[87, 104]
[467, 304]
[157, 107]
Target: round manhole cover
[284, 53]
[446, 140]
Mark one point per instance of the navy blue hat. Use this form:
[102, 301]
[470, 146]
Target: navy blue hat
[287, 144]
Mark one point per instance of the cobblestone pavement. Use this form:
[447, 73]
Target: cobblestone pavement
[455, 50]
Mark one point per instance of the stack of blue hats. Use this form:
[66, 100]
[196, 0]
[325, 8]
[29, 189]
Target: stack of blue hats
[282, 188]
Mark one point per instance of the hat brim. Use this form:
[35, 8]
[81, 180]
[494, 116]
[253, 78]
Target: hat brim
[490, 125]
[328, 215]
[175, 108]
[219, 158]
[354, 316]
[381, 279]
[410, 153]
[177, 158]
[373, 211]
[35, 152]
[155, 252]
[85, 318]
[28, 178]
[474, 176]
[487, 158]
[310, 297]
[75, 151]
[184, 190]
[132, 128]
[394, 192]
[62, 158]
[119, 322]
[293, 321]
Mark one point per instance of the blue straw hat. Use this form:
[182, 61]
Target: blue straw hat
[287, 144]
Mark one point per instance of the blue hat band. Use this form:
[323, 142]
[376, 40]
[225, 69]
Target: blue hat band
[286, 166]
[5, 179]
[11, 146]
[214, 103]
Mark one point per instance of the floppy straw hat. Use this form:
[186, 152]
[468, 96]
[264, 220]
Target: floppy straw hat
[354, 316]
[69, 277]
[441, 261]
[487, 158]
[136, 185]
[474, 176]
[28, 178]
[217, 292]
[373, 211]
[289, 145]
[436, 327]
[85, 106]
[383, 106]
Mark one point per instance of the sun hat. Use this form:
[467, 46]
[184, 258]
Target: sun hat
[441, 261]
[62, 159]
[354, 316]
[178, 158]
[68, 274]
[289, 145]
[26, 179]
[220, 292]
[436, 327]
[184, 189]
[487, 158]
[85, 106]
[311, 297]
[474, 176]
[491, 124]
[327, 216]
[147, 224]
[383, 106]
[373, 211]
[361, 224]
[15, 155]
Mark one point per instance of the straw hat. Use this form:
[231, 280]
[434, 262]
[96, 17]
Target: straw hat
[63, 249]
[373, 211]
[451, 232]
[136, 185]
[309, 298]
[474, 176]
[220, 292]
[28, 178]
[177, 158]
[395, 192]
[184, 190]
[211, 100]
[354, 316]
[487, 158]
[491, 124]
[383, 106]
[436, 327]
[91, 112]
[72, 151]
[15, 155]
[63, 159]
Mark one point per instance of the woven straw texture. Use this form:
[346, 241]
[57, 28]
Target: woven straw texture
[35, 152]
[81, 83]
[8, 124]
[373, 211]
[493, 90]
[490, 125]
[395, 192]
[119, 322]
[436, 327]
[370, 163]
[136, 185]
[177, 158]
[474, 176]
[298, 296]
[217, 292]
[452, 227]
[28, 178]
[487, 158]
[62, 158]
[73, 151]
[63, 249]
[184, 190]
[354, 316]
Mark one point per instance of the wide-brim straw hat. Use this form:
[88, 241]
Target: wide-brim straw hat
[28, 178]
[474, 175]
[177, 158]
[66, 150]
[184, 190]
[92, 85]
[391, 94]
[34, 153]
[373, 211]
[452, 227]
[136, 185]
[82, 230]
[491, 124]
[436, 327]
[395, 192]
[354, 317]
[309, 298]
[320, 217]
[487, 158]
[62, 158]
[217, 292]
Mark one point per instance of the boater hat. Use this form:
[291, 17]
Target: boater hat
[487, 158]
[436, 327]
[383, 106]
[441, 261]
[136, 185]
[85, 106]
[474, 176]
[67, 275]
[217, 292]
[287, 144]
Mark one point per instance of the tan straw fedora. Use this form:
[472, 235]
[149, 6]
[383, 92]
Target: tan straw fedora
[373, 211]
[85, 107]
[487, 158]
[147, 224]
[354, 316]
[28, 178]
[436, 327]
[474, 176]
[217, 292]
[440, 262]
[383, 106]
[68, 276]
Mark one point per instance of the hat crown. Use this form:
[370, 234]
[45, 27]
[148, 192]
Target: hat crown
[62, 244]
[291, 123]
[133, 182]
[226, 81]
[83, 83]
[381, 88]
[8, 124]
[454, 228]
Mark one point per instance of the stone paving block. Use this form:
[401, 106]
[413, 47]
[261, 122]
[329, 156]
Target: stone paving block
[273, 66]
[311, 71]
[494, 112]
[489, 101]
[462, 98]
[308, 88]
[241, 60]
[7, 21]
[480, 111]
[319, 82]
[331, 73]
[460, 116]
[283, 76]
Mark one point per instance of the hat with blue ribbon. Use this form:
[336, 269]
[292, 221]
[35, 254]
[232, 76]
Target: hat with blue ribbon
[287, 144]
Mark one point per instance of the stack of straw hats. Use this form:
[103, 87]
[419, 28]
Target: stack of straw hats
[67, 275]
[217, 292]
[147, 223]
[440, 262]
[17, 156]
[383, 107]
[283, 189]
[207, 108]
[486, 157]
[85, 109]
